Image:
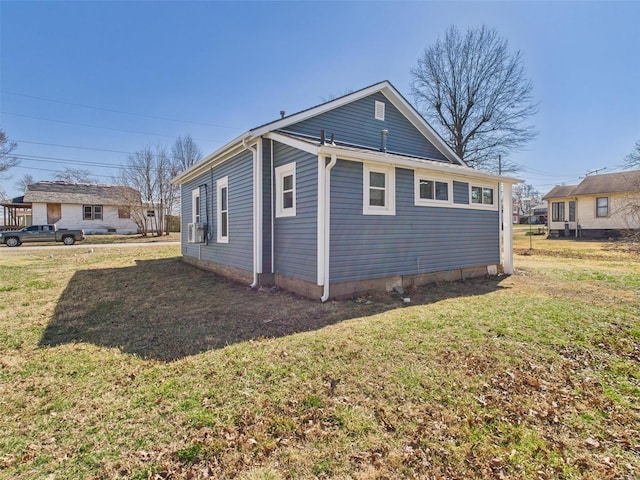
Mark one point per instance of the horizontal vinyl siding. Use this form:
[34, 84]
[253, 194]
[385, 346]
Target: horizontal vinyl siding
[461, 193]
[295, 245]
[355, 123]
[239, 251]
[417, 239]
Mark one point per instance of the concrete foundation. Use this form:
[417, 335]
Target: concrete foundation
[344, 290]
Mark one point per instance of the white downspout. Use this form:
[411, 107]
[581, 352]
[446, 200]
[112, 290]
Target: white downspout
[256, 207]
[507, 232]
[326, 223]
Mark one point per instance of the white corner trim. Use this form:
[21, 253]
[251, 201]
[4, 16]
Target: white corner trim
[389, 172]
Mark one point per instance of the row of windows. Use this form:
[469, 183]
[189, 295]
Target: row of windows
[558, 210]
[379, 191]
[379, 195]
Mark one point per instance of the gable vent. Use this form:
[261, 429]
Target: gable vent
[379, 115]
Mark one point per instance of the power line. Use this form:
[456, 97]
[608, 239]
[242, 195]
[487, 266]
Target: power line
[42, 158]
[117, 111]
[74, 146]
[96, 126]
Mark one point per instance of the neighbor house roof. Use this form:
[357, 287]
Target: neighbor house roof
[609, 183]
[560, 191]
[622, 182]
[389, 91]
[80, 193]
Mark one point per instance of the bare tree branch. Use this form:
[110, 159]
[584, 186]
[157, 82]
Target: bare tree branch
[75, 175]
[185, 153]
[7, 160]
[633, 159]
[476, 95]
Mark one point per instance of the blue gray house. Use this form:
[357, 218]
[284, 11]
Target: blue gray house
[356, 194]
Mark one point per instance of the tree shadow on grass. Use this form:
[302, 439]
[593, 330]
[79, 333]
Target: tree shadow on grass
[166, 309]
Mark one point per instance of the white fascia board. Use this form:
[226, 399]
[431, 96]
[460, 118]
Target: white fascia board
[325, 107]
[420, 123]
[293, 142]
[225, 152]
[413, 164]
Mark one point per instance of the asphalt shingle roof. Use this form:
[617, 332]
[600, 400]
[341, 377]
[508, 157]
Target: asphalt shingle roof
[83, 193]
[623, 182]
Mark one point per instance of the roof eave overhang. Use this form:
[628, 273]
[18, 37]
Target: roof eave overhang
[225, 152]
[412, 163]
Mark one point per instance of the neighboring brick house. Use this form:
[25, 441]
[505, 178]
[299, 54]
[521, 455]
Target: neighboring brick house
[355, 194]
[600, 206]
[96, 208]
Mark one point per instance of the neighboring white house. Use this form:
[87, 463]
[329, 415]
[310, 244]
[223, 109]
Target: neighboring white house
[95, 208]
[599, 206]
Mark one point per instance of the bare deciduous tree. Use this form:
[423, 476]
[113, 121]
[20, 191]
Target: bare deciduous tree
[476, 94]
[75, 175]
[7, 160]
[149, 171]
[185, 153]
[24, 182]
[633, 159]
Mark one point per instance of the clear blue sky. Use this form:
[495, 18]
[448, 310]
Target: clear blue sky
[215, 70]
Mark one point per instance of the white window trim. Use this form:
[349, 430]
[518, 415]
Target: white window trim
[195, 199]
[422, 175]
[390, 190]
[220, 184]
[379, 110]
[484, 206]
[281, 172]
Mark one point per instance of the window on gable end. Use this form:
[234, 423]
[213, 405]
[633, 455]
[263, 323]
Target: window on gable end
[379, 195]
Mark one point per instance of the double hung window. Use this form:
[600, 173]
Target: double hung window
[379, 190]
[92, 212]
[286, 190]
[602, 207]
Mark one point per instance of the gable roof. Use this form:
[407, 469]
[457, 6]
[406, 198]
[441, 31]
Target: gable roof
[609, 183]
[81, 193]
[384, 87]
[623, 182]
[560, 191]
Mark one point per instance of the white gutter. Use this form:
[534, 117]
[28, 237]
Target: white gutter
[324, 221]
[410, 163]
[256, 149]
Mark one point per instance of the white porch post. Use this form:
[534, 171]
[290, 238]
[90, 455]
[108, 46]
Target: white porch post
[507, 229]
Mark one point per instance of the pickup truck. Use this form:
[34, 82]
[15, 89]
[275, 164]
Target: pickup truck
[41, 233]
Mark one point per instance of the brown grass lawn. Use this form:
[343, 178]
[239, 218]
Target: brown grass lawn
[128, 363]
